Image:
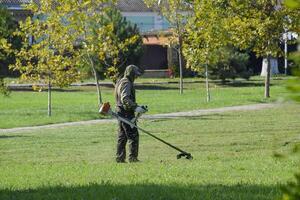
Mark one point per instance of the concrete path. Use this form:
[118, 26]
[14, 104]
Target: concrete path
[193, 113]
[211, 111]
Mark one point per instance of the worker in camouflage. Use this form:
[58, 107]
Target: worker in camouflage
[126, 107]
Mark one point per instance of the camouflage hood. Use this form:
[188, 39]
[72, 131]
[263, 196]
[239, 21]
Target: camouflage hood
[131, 72]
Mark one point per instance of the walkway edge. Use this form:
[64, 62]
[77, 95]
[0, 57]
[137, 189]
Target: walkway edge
[193, 113]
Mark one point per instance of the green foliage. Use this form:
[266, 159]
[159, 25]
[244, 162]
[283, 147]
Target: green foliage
[107, 41]
[252, 25]
[70, 35]
[230, 64]
[292, 190]
[260, 25]
[294, 85]
[93, 42]
[7, 27]
[126, 40]
[295, 57]
[292, 3]
[49, 58]
[8, 41]
[3, 88]
[245, 24]
[205, 35]
[4, 48]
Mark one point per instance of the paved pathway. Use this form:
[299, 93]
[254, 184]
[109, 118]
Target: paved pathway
[156, 116]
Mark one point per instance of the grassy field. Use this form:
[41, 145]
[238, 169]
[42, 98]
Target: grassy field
[233, 159]
[27, 108]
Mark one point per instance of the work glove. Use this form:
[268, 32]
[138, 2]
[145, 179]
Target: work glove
[141, 109]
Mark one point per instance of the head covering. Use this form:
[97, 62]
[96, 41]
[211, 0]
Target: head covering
[132, 71]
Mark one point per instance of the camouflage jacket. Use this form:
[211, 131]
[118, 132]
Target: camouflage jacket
[125, 95]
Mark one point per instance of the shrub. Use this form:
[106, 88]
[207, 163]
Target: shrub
[230, 64]
[3, 88]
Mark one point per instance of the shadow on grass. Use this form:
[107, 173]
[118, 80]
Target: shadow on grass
[214, 116]
[261, 101]
[155, 87]
[110, 191]
[242, 84]
[11, 136]
[136, 86]
[24, 89]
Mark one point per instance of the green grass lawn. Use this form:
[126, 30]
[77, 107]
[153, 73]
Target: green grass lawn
[233, 159]
[27, 108]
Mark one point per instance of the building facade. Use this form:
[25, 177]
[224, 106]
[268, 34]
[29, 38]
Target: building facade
[154, 29]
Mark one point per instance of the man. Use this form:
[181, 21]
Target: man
[126, 107]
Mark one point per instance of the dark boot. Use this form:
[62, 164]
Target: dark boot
[133, 160]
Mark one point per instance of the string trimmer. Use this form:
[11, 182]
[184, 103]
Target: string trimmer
[106, 110]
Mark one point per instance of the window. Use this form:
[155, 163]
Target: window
[144, 23]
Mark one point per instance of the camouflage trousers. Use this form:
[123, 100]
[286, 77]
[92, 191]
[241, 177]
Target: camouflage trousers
[130, 134]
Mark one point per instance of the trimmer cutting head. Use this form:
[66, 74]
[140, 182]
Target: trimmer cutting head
[186, 155]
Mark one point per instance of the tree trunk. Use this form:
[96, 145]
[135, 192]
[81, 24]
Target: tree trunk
[96, 80]
[179, 32]
[285, 55]
[98, 86]
[49, 99]
[207, 83]
[267, 78]
[99, 98]
[180, 71]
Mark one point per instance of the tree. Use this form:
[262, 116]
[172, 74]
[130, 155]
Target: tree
[259, 25]
[176, 12]
[205, 35]
[47, 55]
[4, 49]
[127, 42]
[74, 33]
[95, 35]
[93, 39]
[7, 43]
[7, 27]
